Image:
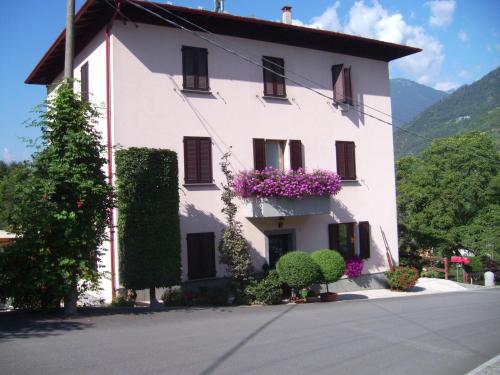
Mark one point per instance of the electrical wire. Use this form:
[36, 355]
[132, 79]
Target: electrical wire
[249, 60]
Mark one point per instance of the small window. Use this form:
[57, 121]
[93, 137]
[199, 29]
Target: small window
[201, 255]
[197, 160]
[346, 160]
[342, 88]
[341, 238]
[195, 68]
[269, 153]
[274, 81]
[84, 81]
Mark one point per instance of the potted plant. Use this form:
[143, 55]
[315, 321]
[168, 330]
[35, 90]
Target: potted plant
[298, 270]
[332, 267]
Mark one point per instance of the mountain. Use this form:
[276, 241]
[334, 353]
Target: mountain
[470, 107]
[409, 98]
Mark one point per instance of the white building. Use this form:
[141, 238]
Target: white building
[166, 87]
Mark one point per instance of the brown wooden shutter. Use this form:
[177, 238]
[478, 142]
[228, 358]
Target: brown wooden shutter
[202, 69]
[190, 160]
[295, 154]
[346, 160]
[201, 255]
[364, 239]
[84, 81]
[333, 237]
[347, 86]
[205, 160]
[340, 151]
[273, 71]
[188, 68]
[338, 82]
[259, 154]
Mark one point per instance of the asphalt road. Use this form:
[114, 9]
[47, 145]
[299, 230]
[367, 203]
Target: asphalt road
[433, 334]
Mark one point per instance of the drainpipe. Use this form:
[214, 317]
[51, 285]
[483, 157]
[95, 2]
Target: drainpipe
[110, 146]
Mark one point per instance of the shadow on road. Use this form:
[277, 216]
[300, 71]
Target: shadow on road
[219, 361]
[350, 297]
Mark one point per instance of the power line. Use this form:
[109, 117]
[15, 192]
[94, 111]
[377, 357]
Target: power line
[245, 58]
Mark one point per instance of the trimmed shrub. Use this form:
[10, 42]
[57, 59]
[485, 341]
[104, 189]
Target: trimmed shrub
[267, 291]
[148, 219]
[331, 265]
[402, 278]
[174, 297]
[298, 270]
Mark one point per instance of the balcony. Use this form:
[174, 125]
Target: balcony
[286, 207]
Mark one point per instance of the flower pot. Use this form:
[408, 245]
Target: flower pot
[328, 297]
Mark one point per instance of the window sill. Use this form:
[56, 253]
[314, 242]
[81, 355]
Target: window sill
[194, 91]
[199, 184]
[272, 97]
[351, 182]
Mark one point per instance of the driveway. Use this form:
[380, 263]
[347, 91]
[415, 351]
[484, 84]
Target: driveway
[448, 333]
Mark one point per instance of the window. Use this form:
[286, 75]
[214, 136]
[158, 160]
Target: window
[274, 82]
[195, 68]
[197, 160]
[270, 153]
[341, 238]
[346, 161]
[84, 81]
[342, 88]
[201, 255]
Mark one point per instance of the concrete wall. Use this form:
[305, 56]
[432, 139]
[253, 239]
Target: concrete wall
[151, 111]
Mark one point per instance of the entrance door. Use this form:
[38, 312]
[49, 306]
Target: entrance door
[279, 244]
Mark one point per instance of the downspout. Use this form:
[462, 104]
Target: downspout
[110, 147]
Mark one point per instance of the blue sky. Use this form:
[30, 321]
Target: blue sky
[460, 38]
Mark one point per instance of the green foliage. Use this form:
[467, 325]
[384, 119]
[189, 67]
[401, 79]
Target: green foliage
[213, 296]
[266, 291]
[402, 278]
[121, 301]
[60, 208]
[331, 264]
[448, 200]
[477, 264]
[474, 107]
[233, 247]
[298, 270]
[12, 178]
[174, 297]
[148, 218]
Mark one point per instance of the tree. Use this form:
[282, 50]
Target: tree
[148, 219]
[445, 195]
[233, 247]
[15, 175]
[61, 213]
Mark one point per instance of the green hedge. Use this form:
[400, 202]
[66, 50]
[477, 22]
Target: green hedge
[148, 218]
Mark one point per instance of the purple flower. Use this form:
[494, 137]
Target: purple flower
[291, 184]
[354, 267]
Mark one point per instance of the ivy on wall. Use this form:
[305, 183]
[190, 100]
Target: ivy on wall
[148, 218]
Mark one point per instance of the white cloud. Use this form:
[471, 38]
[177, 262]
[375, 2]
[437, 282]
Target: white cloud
[462, 35]
[6, 155]
[374, 21]
[441, 12]
[328, 20]
[446, 85]
[463, 73]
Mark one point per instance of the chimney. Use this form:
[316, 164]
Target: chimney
[287, 15]
[219, 6]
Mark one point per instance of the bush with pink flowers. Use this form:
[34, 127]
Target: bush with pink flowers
[298, 184]
[354, 267]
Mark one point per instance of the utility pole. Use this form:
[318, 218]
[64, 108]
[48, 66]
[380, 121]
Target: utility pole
[70, 39]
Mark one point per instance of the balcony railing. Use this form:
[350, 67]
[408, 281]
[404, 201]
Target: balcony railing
[286, 207]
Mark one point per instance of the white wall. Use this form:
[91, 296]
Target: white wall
[149, 110]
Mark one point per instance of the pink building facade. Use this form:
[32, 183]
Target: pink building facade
[164, 87]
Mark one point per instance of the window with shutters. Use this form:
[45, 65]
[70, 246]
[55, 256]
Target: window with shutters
[346, 160]
[198, 160]
[84, 81]
[195, 68]
[342, 87]
[341, 238]
[201, 255]
[271, 153]
[274, 82]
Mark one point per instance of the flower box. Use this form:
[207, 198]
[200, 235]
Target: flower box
[283, 207]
